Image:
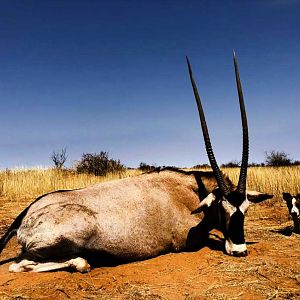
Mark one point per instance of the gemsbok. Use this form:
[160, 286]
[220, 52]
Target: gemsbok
[293, 205]
[166, 210]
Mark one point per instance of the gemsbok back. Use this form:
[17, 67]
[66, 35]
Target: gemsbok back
[293, 205]
[166, 210]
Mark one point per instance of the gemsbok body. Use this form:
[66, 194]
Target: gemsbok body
[293, 205]
[167, 210]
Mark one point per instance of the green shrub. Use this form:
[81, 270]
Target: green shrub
[99, 164]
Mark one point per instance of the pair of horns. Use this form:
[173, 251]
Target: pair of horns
[241, 188]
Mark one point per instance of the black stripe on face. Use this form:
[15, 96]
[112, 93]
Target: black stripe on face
[236, 227]
[289, 204]
[288, 198]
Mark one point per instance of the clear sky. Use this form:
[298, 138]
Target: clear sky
[111, 76]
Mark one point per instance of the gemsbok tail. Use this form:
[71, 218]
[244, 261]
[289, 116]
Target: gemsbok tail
[12, 230]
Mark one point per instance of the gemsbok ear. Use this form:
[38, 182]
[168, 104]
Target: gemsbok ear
[286, 196]
[205, 203]
[256, 197]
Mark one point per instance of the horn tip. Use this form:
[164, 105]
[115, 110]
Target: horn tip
[234, 57]
[187, 60]
[189, 65]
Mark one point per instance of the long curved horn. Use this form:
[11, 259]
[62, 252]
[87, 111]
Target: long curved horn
[241, 188]
[219, 177]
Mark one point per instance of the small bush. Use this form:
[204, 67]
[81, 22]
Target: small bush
[231, 164]
[254, 164]
[145, 167]
[59, 158]
[277, 159]
[99, 164]
[201, 166]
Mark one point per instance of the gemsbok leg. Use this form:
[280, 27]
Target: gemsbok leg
[25, 265]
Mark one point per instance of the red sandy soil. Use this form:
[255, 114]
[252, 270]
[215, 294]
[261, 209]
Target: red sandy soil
[270, 271]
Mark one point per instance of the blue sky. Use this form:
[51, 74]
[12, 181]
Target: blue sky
[111, 76]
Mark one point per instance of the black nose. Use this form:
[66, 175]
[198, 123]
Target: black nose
[240, 254]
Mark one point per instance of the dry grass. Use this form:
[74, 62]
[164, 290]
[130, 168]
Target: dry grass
[30, 183]
[274, 180]
[271, 179]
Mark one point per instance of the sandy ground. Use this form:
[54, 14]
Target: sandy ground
[270, 271]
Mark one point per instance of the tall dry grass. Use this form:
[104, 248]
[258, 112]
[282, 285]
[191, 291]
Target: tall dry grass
[274, 180]
[29, 183]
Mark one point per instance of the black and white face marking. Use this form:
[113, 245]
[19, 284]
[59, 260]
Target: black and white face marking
[295, 207]
[293, 204]
[234, 207]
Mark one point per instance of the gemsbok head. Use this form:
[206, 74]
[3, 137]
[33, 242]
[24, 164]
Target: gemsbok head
[233, 203]
[165, 210]
[293, 205]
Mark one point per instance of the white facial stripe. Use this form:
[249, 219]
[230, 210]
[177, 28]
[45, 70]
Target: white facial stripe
[230, 247]
[229, 208]
[244, 206]
[295, 209]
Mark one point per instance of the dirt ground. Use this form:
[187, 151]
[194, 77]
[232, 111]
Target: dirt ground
[270, 271]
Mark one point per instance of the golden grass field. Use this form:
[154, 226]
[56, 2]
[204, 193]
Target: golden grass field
[30, 183]
[274, 180]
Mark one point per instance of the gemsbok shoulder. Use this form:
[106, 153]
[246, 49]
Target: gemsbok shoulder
[166, 210]
[293, 205]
